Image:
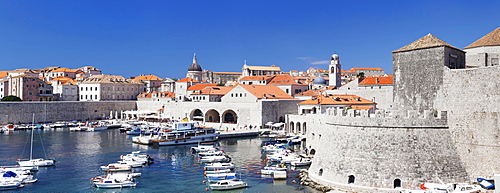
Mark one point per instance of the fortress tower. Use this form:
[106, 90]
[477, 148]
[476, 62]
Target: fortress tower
[418, 71]
[194, 70]
[334, 71]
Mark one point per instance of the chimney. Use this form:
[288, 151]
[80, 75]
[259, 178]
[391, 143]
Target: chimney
[376, 81]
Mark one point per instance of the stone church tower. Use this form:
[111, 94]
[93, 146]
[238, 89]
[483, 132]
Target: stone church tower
[194, 70]
[334, 71]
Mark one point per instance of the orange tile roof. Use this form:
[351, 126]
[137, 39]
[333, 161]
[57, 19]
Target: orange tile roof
[164, 94]
[257, 78]
[147, 77]
[145, 94]
[265, 91]
[187, 79]
[362, 68]
[384, 80]
[200, 86]
[64, 70]
[214, 90]
[338, 100]
[357, 107]
[310, 93]
[3, 73]
[352, 71]
[282, 79]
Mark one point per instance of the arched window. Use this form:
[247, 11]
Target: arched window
[320, 172]
[397, 183]
[351, 179]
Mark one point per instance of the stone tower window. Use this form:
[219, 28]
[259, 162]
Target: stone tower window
[351, 179]
[397, 183]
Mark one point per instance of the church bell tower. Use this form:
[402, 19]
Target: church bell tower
[334, 72]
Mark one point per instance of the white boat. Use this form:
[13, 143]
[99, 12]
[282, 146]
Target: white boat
[221, 176]
[186, 133]
[211, 153]
[116, 167]
[35, 162]
[10, 185]
[97, 128]
[447, 188]
[24, 178]
[137, 157]
[115, 175]
[204, 148]
[131, 163]
[217, 158]
[219, 166]
[228, 185]
[301, 162]
[269, 170]
[116, 183]
[79, 128]
[218, 171]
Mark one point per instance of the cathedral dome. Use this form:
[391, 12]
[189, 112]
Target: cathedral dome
[194, 67]
[319, 80]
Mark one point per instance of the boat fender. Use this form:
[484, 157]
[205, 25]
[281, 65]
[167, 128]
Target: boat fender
[205, 168]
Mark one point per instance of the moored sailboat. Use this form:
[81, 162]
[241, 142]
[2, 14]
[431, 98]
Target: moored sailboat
[37, 161]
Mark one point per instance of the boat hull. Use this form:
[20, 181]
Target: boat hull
[191, 140]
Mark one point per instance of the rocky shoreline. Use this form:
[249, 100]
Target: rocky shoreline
[306, 181]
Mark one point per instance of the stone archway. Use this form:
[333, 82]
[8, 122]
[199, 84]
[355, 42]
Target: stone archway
[292, 128]
[212, 116]
[282, 119]
[298, 128]
[351, 179]
[304, 128]
[196, 115]
[397, 183]
[229, 116]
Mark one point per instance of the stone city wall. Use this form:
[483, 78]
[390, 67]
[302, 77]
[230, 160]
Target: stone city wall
[22, 112]
[377, 155]
[472, 99]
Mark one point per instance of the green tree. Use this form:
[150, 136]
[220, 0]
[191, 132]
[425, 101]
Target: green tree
[11, 98]
[221, 84]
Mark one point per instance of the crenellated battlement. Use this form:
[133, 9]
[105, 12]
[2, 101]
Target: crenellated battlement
[382, 118]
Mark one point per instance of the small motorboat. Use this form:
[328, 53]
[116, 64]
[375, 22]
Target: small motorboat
[217, 171]
[219, 166]
[10, 185]
[203, 148]
[116, 167]
[119, 175]
[221, 176]
[301, 162]
[228, 185]
[116, 183]
[221, 158]
[269, 170]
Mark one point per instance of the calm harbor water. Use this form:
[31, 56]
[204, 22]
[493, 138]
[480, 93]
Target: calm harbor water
[176, 169]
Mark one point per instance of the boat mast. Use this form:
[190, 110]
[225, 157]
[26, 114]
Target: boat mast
[32, 128]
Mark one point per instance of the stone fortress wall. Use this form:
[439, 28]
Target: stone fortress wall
[458, 143]
[472, 99]
[22, 112]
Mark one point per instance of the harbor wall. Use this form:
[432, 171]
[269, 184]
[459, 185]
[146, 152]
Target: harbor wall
[22, 112]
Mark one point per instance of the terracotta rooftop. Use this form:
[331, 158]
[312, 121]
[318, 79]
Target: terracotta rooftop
[164, 94]
[310, 93]
[384, 80]
[64, 70]
[187, 79]
[147, 77]
[114, 79]
[283, 79]
[490, 39]
[3, 73]
[266, 78]
[200, 86]
[338, 100]
[366, 68]
[214, 90]
[265, 91]
[428, 41]
[145, 95]
[266, 68]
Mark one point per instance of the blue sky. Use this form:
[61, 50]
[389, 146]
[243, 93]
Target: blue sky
[130, 38]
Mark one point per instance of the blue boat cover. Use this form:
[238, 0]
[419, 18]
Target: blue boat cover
[9, 174]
